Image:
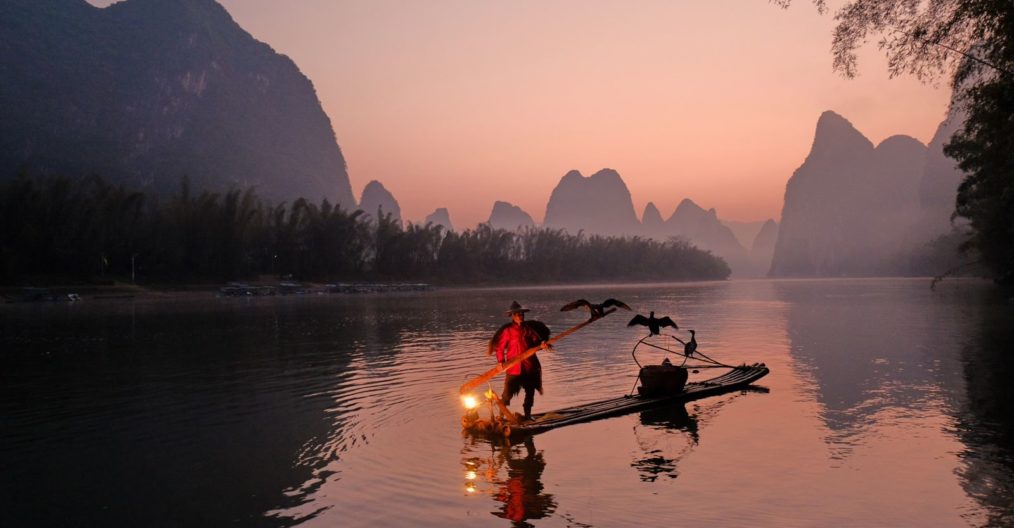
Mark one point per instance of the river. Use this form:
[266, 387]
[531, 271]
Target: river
[888, 404]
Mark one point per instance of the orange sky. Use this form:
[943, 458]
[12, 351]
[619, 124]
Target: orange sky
[458, 103]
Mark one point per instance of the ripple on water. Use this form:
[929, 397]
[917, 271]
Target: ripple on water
[298, 411]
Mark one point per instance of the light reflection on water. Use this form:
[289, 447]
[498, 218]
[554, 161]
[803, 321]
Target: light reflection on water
[887, 404]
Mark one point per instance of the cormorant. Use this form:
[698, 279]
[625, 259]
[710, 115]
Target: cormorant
[596, 310]
[654, 325]
[690, 347]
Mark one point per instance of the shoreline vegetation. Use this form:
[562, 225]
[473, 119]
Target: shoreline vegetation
[67, 232]
[52, 290]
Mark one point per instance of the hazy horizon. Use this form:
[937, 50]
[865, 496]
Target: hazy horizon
[501, 100]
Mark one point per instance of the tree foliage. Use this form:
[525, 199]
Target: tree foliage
[88, 228]
[971, 43]
[985, 150]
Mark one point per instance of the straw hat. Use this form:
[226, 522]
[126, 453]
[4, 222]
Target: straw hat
[516, 308]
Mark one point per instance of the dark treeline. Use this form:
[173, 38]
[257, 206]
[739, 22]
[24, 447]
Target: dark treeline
[87, 228]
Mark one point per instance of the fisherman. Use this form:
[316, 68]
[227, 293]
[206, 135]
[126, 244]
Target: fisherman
[509, 342]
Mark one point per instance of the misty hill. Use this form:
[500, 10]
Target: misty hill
[939, 186]
[377, 200]
[598, 204]
[146, 91]
[440, 217]
[508, 216]
[763, 247]
[849, 206]
[706, 231]
[652, 225]
[601, 204]
[745, 232]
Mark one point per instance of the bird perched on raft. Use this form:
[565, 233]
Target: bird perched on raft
[654, 325]
[690, 347]
[596, 310]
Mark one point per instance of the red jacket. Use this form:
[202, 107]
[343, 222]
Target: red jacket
[511, 341]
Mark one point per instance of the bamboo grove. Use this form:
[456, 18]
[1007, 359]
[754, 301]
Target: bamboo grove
[83, 229]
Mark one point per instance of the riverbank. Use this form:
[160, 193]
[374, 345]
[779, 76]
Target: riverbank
[58, 291]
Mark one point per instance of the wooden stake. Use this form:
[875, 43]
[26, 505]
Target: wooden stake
[489, 374]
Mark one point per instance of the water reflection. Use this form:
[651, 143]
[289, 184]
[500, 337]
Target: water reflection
[890, 405]
[657, 457]
[986, 419]
[136, 416]
[875, 352]
[512, 475]
[666, 435]
[893, 358]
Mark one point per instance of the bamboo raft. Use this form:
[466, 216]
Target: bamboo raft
[507, 425]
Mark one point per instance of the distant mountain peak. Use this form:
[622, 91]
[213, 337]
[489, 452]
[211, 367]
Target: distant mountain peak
[604, 176]
[849, 207]
[506, 215]
[651, 217]
[599, 204]
[688, 206]
[763, 246]
[204, 16]
[376, 198]
[572, 174]
[145, 92]
[835, 133]
[440, 217]
[689, 211]
[705, 230]
[607, 174]
[901, 141]
[766, 237]
[830, 120]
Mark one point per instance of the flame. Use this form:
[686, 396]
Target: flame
[469, 401]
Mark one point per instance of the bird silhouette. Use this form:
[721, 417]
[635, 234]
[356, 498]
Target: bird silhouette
[690, 347]
[654, 325]
[596, 310]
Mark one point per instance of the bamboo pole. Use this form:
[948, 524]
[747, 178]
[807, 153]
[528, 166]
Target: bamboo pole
[504, 411]
[489, 374]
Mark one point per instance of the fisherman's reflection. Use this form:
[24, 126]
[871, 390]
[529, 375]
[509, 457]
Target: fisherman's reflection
[521, 494]
[655, 437]
[520, 489]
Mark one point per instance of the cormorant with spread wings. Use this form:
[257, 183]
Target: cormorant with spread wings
[596, 310]
[654, 325]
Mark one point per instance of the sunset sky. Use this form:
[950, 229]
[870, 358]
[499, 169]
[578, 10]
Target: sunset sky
[460, 103]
